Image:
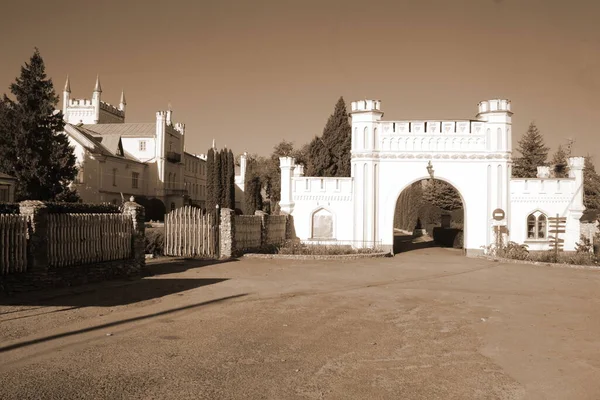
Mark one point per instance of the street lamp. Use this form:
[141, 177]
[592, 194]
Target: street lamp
[430, 169]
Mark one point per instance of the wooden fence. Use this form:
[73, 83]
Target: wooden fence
[247, 232]
[13, 243]
[276, 229]
[88, 238]
[190, 232]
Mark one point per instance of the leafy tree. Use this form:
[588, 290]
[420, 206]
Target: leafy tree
[533, 153]
[559, 162]
[34, 149]
[591, 185]
[329, 155]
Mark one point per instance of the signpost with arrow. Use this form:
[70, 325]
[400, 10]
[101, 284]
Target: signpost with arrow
[557, 226]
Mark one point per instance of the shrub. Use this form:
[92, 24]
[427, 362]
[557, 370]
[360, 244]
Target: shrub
[295, 247]
[155, 241]
[514, 251]
[584, 245]
[9, 208]
[459, 241]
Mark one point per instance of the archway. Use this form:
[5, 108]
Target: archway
[428, 213]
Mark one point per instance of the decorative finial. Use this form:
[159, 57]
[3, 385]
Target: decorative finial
[123, 97]
[67, 85]
[97, 88]
[214, 145]
[169, 107]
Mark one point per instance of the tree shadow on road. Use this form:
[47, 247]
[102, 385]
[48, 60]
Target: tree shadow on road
[107, 294]
[167, 266]
[116, 323]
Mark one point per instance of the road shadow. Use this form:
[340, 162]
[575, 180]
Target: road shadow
[176, 266]
[117, 323]
[108, 294]
[407, 242]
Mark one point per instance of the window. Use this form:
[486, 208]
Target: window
[114, 177]
[135, 177]
[79, 177]
[536, 226]
[4, 194]
[142, 145]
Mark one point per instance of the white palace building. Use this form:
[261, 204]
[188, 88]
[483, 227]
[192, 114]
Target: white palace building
[473, 155]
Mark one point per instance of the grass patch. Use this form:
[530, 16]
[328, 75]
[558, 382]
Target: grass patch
[306, 249]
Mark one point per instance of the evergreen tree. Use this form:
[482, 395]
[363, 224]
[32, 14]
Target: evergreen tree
[231, 183]
[591, 185]
[329, 155]
[443, 195]
[533, 153]
[252, 188]
[559, 163]
[211, 187]
[32, 144]
[219, 195]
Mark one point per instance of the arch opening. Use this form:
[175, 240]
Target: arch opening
[429, 213]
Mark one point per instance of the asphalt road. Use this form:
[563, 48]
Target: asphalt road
[426, 324]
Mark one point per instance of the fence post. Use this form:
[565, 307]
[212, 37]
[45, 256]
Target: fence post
[138, 234]
[264, 227]
[37, 249]
[227, 233]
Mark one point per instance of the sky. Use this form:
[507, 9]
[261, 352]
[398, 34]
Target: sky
[250, 73]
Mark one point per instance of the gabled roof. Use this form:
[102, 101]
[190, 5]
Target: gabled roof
[6, 176]
[143, 129]
[106, 145]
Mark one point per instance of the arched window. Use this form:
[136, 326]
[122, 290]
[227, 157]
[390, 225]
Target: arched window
[366, 138]
[322, 224]
[537, 226]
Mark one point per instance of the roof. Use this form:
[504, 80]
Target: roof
[143, 129]
[106, 145]
[6, 176]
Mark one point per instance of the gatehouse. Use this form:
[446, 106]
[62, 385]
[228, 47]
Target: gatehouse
[473, 155]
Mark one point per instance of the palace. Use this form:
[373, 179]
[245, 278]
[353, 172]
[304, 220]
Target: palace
[117, 159]
[473, 155]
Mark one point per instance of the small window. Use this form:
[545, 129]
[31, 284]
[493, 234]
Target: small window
[114, 177]
[4, 194]
[135, 177]
[172, 206]
[79, 177]
[142, 145]
[537, 226]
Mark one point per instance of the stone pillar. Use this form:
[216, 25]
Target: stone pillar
[138, 217]
[37, 250]
[226, 233]
[264, 223]
[286, 165]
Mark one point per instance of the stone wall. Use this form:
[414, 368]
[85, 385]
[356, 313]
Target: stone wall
[245, 233]
[39, 273]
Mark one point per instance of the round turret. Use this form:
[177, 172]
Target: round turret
[366, 105]
[495, 105]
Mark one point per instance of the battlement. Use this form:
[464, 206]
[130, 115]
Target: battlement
[288, 162]
[366, 105]
[576, 163]
[464, 127]
[80, 103]
[494, 105]
[112, 109]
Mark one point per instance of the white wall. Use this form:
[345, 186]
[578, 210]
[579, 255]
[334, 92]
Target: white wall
[132, 146]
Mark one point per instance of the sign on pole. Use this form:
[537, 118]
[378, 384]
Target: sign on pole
[498, 214]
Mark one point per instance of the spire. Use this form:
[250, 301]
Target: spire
[67, 85]
[214, 146]
[97, 88]
[122, 97]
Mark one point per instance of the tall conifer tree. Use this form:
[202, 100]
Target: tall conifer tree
[32, 145]
[210, 180]
[533, 154]
[231, 182]
[559, 163]
[591, 185]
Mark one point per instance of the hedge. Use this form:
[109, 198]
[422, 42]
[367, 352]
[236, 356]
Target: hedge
[81, 208]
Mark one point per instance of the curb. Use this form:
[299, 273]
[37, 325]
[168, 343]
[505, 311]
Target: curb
[316, 257]
[540, 263]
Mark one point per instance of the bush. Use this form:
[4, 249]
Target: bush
[81, 208]
[584, 245]
[155, 241]
[445, 237]
[9, 208]
[295, 247]
[514, 251]
[459, 241]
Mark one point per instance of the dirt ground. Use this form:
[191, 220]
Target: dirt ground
[426, 324]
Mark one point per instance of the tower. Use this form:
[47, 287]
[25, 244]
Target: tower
[122, 102]
[96, 99]
[66, 95]
[366, 115]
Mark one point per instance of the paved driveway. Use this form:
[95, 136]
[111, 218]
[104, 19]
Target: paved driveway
[426, 324]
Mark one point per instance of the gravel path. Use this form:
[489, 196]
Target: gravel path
[426, 324]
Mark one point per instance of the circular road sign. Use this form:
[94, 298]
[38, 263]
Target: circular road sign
[498, 214]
